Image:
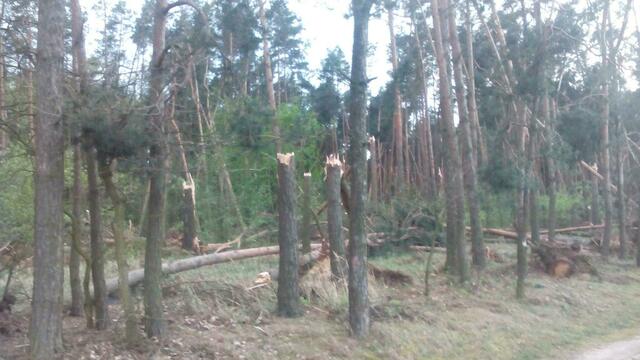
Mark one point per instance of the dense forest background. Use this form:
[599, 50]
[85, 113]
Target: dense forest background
[519, 115]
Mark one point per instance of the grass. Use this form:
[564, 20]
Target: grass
[212, 314]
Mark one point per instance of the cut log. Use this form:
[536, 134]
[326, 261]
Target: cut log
[575, 228]
[136, 276]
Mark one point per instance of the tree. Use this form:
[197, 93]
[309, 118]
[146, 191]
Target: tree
[45, 332]
[154, 318]
[454, 189]
[358, 284]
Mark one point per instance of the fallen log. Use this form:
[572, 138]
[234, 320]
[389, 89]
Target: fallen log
[136, 276]
[575, 228]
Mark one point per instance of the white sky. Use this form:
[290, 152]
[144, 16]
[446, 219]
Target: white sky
[325, 27]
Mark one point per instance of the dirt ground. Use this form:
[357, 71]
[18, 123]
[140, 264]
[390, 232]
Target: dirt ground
[213, 313]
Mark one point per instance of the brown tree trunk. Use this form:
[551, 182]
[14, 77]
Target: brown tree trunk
[454, 188]
[288, 291]
[334, 218]
[358, 282]
[468, 157]
[45, 333]
[305, 233]
[268, 75]
[96, 241]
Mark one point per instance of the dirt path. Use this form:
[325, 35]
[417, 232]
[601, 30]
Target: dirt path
[621, 350]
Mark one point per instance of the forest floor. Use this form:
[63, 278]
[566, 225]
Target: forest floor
[212, 314]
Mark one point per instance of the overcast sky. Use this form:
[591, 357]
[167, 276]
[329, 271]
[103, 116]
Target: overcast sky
[325, 27]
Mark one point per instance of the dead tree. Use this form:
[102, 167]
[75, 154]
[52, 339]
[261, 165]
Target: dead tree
[334, 218]
[288, 287]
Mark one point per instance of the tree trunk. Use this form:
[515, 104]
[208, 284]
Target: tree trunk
[454, 188]
[398, 132]
[118, 225]
[305, 233]
[479, 144]
[374, 183]
[77, 296]
[154, 318]
[79, 66]
[604, 136]
[189, 215]
[97, 243]
[358, 282]
[468, 158]
[45, 333]
[551, 171]
[268, 76]
[521, 204]
[426, 142]
[334, 218]
[620, 200]
[288, 290]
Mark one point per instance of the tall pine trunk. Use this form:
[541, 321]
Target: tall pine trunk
[468, 157]
[45, 333]
[454, 188]
[154, 317]
[358, 281]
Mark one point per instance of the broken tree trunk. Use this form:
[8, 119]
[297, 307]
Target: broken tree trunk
[334, 218]
[135, 277]
[288, 292]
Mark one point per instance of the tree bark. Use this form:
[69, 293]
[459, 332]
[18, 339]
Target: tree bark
[468, 158]
[358, 282]
[96, 241]
[454, 188]
[45, 333]
[334, 218]
[305, 233]
[374, 183]
[479, 144]
[288, 287]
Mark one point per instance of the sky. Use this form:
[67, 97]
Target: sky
[325, 26]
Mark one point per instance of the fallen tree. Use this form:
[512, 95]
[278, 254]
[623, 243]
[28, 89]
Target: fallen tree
[136, 276]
